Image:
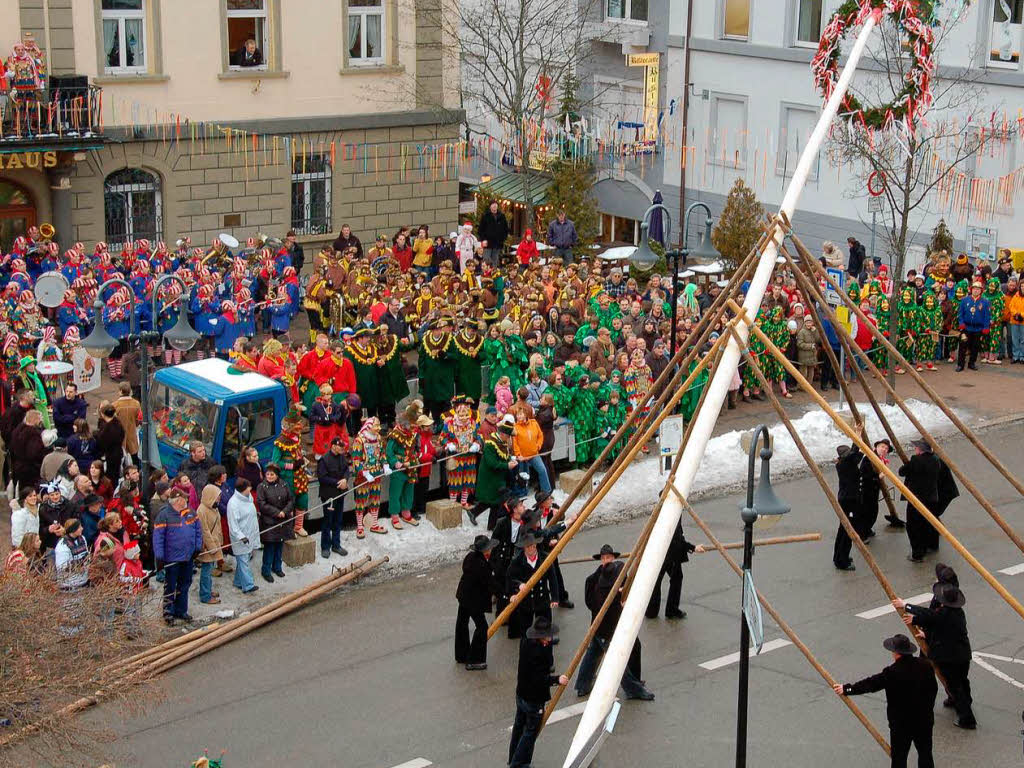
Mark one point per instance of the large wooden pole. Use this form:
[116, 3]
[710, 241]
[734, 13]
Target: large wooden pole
[772, 541]
[883, 468]
[617, 656]
[787, 630]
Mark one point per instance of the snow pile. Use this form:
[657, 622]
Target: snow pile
[722, 470]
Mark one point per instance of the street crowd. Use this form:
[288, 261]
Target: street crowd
[504, 345]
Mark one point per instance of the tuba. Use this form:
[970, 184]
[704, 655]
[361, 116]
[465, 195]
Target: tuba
[46, 231]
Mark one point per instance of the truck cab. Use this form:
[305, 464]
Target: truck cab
[209, 401]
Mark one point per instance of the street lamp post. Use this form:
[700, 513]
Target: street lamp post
[101, 344]
[644, 258]
[760, 504]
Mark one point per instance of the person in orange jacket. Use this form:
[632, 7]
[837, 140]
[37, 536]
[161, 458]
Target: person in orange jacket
[527, 439]
[1013, 314]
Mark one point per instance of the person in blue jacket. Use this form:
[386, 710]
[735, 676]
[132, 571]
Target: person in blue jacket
[177, 539]
[245, 310]
[974, 318]
[829, 377]
[204, 309]
[280, 312]
[69, 312]
[117, 319]
[67, 410]
[225, 330]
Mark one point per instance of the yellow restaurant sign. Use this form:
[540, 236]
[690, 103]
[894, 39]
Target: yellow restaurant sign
[643, 59]
[28, 160]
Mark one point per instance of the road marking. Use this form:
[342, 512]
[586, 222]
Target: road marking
[1013, 570]
[979, 659]
[874, 613]
[418, 762]
[732, 658]
[566, 712]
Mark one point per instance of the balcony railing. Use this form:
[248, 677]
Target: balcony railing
[69, 109]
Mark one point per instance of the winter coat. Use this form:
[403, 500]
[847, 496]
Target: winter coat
[53, 462]
[329, 470]
[198, 471]
[922, 477]
[209, 520]
[65, 412]
[493, 228]
[546, 420]
[848, 469]
[271, 500]
[476, 584]
[23, 521]
[110, 445]
[527, 439]
[243, 524]
[534, 392]
[561, 235]
[176, 537]
[83, 449]
[596, 589]
[807, 346]
[27, 451]
[129, 411]
[946, 630]
[910, 689]
[490, 477]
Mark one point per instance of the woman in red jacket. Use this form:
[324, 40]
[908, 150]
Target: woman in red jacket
[527, 249]
[426, 454]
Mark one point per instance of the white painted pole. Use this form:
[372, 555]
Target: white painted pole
[607, 684]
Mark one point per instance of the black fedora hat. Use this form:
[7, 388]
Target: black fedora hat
[924, 445]
[606, 549]
[541, 628]
[949, 595]
[526, 539]
[483, 543]
[541, 496]
[900, 644]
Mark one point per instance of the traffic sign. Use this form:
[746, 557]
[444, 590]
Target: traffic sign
[752, 612]
[876, 204]
[839, 278]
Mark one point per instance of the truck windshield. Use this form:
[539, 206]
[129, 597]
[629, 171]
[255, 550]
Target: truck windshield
[179, 418]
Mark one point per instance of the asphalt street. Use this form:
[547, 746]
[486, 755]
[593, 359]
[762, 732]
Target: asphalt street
[367, 678]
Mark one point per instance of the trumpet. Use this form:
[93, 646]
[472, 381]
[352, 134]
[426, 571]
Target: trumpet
[271, 303]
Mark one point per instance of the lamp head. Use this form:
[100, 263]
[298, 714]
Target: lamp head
[182, 336]
[99, 343]
[766, 502]
[644, 258]
[706, 250]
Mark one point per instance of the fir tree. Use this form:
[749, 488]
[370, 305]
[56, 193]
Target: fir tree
[739, 226]
[570, 188]
[942, 239]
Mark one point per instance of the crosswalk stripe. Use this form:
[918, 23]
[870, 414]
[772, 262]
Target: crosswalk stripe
[733, 658]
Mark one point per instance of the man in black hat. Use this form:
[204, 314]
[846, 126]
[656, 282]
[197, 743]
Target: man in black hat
[506, 533]
[945, 627]
[598, 586]
[542, 510]
[848, 469]
[679, 550]
[867, 505]
[537, 601]
[533, 689]
[474, 595]
[910, 689]
[948, 490]
[921, 475]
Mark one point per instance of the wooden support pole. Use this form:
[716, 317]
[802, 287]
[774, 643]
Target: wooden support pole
[896, 481]
[936, 398]
[786, 629]
[795, 539]
[633, 448]
[936, 446]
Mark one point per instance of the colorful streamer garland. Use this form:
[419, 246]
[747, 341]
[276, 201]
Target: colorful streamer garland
[914, 18]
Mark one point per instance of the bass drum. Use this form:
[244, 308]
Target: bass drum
[50, 289]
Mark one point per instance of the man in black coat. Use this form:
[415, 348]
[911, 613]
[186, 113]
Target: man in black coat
[11, 418]
[27, 450]
[857, 256]
[197, 465]
[68, 409]
[537, 601]
[870, 488]
[598, 586]
[910, 689]
[332, 473]
[492, 233]
[848, 494]
[679, 550]
[533, 689]
[922, 480]
[506, 533]
[347, 241]
[945, 627]
[474, 595]
[948, 491]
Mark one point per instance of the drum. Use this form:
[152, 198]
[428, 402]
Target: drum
[228, 240]
[50, 288]
[53, 368]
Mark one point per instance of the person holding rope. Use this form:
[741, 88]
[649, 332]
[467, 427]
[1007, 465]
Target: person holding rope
[533, 689]
[476, 587]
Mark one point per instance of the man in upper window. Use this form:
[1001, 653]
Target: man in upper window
[248, 55]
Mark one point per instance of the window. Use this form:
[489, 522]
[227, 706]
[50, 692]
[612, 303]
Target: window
[366, 31]
[736, 19]
[179, 418]
[797, 124]
[1006, 33]
[633, 10]
[124, 35]
[259, 426]
[808, 22]
[311, 196]
[729, 126]
[247, 34]
[132, 207]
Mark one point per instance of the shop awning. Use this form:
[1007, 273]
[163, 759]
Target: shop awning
[620, 198]
[10, 146]
[512, 187]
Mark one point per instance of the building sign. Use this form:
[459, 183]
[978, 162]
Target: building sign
[981, 242]
[651, 62]
[16, 160]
